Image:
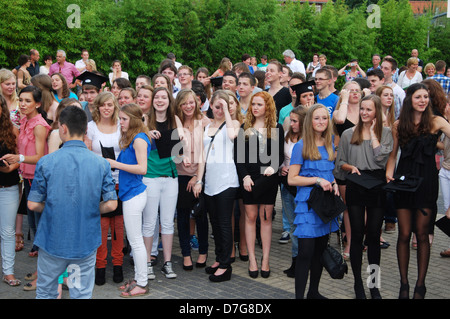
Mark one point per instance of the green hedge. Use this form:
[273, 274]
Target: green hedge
[201, 32]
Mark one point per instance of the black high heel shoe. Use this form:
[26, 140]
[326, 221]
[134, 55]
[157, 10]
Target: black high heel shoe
[404, 291]
[223, 277]
[201, 265]
[359, 291]
[420, 292]
[253, 273]
[375, 293]
[188, 267]
[211, 270]
[264, 273]
[242, 257]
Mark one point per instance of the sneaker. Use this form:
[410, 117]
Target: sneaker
[168, 271]
[284, 238]
[150, 272]
[389, 228]
[194, 242]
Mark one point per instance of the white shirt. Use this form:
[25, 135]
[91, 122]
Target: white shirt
[107, 140]
[297, 66]
[221, 171]
[122, 75]
[80, 65]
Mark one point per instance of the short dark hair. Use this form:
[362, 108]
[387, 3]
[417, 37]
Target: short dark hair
[122, 83]
[440, 65]
[376, 72]
[325, 71]
[231, 73]
[75, 119]
[23, 59]
[245, 56]
[393, 63]
[250, 76]
[167, 64]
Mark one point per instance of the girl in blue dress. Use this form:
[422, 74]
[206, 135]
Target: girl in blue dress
[312, 164]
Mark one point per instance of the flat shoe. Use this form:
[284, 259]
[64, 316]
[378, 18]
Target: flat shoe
[31, 276]
[12, 282]
[29, 287]
[128, 292]
[384, 244]
[445, 253]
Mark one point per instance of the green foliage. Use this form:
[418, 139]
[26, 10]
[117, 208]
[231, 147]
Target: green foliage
[140, 33]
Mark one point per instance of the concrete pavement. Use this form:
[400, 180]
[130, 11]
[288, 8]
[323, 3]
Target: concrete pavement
[195, 284]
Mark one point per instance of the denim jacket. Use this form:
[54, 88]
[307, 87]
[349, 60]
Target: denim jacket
[71, 181]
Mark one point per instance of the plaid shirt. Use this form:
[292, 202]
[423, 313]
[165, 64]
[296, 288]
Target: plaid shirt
[443, 80]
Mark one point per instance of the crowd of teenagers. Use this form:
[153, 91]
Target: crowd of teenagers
[90, 158]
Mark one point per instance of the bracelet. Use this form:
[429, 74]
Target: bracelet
[199, 182]
[334, 183]
[21, 158]
[318, 181]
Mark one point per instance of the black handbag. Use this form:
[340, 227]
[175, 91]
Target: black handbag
[199, 206]
[333, 261]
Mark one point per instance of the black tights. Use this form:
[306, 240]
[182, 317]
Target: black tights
[405, 227]
[372, 228]
[310, 251]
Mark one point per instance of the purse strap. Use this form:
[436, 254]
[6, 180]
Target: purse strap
[209, 148]
[340, 238]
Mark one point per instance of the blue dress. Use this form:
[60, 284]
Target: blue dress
[308, 223]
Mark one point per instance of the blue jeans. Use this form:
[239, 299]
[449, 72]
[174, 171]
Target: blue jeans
[9, 199]
[81, 275]
[288, 204]
[33, 217]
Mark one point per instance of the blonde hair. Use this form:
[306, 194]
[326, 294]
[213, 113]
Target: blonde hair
[310, 149]
[412, 61]
[5, 75]
[270, 114]
[99, 101]
[181, 98]
[238, 113]
[346, 85]
[136, 125]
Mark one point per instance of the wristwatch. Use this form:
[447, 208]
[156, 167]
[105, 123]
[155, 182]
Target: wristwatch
[318, 181]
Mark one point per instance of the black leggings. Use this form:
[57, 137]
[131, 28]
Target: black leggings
[372, 228]
[310, 251]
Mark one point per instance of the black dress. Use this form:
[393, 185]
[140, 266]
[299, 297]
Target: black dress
[417, 158]
[253, 153]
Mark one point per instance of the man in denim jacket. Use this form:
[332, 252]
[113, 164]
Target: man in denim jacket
[71, 188]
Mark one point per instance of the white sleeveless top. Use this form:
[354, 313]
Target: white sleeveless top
[221, 171]
[107, 140]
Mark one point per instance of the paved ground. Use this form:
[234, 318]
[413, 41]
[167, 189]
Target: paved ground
[195, 284]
